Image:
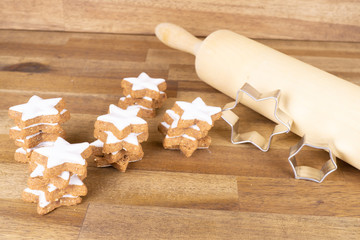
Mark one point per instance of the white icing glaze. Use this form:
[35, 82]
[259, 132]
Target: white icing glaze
[16, 128]
[122, 118]
[131, 138]
[75, 180]
[33, 135]
[21, 150]
[38, 171]
[28, 137]
[51, 187]
[42, 144]
[183, 135]
[97, 143]
[69, 196]
[196, 127]
[65, 175]
[63, 111]
[148, 98]
[197, 109]
[36, 106]
[110, 139]
[143, 81]
[42, 199]
[63, 152]
[165, 124]
[136, 106]
[175, 117]
[188, 137]
[129, 96]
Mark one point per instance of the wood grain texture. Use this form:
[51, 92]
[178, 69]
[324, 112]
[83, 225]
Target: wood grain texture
[223, 192]
[298, 197]
[310, 20]
[155, 188]
[164, 223]
[19, 220]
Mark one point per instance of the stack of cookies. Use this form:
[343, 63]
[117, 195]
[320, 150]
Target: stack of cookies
[144, 92]
[119, 135]
[186, 126]
[56, 175]
[37, 124]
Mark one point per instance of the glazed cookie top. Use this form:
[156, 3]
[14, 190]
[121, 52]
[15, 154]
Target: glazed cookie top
[42, 198]
[175, 118]
[63, 152]
[75, 180]
[197, 109]
[131, 138]
[36, 106]
[41, 194]
[143, 81]
[39, 172]
[121, 118]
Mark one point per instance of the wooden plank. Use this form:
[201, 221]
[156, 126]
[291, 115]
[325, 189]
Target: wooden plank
[67, 54]
[19, 220]
[182, 72]
[129, 222]
[327, 20]
[108, 185]
[73, 50]
[291, 196]
[84, 67]
[170, 56]
[184, 190]
[32, 15]
[13, 180]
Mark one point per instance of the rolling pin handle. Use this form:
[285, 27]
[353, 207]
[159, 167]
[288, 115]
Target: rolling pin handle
[177, 37]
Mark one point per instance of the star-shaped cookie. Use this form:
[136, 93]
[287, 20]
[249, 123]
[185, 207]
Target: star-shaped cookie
[196, 113]
[63, 156]
[45, 206]
[143, 86]
[37, 110]
[112, 143]
[121, 122]
[170, 126]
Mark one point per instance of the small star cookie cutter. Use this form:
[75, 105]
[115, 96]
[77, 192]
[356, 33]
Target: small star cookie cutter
[310, 173]
[254, 137]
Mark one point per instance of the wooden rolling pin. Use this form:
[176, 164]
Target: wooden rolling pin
[323, 107]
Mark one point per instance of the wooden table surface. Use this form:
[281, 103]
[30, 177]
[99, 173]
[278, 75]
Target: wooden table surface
[225, 192]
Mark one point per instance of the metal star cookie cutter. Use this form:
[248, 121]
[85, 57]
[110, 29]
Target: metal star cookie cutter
[310, 173]
[254, 137]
